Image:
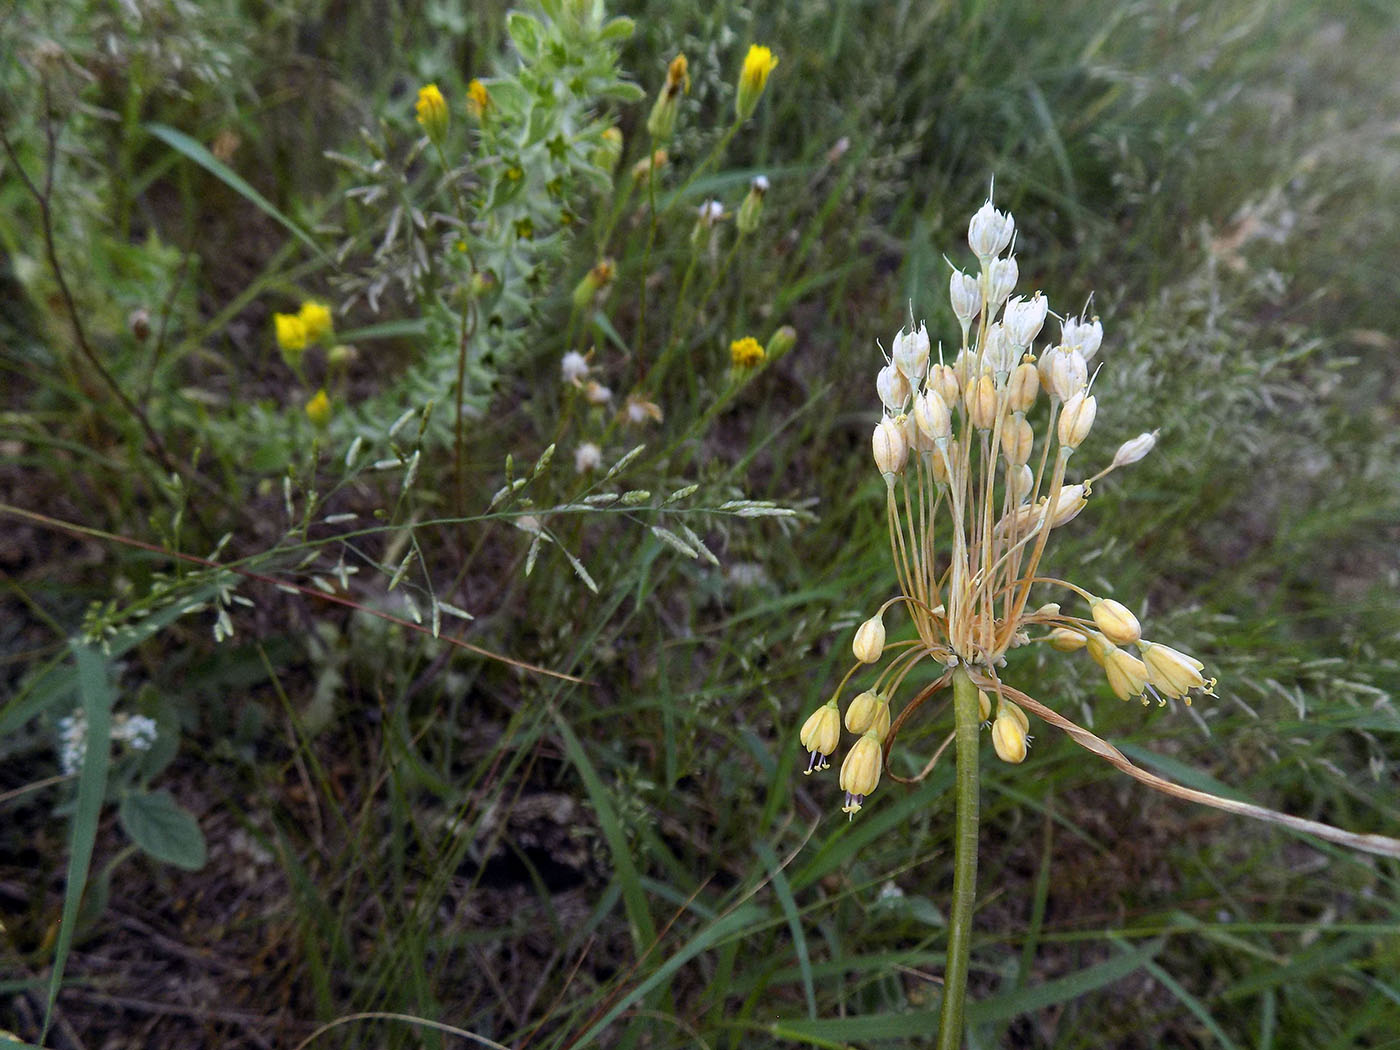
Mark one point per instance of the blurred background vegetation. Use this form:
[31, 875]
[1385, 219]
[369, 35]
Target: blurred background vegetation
[577, 818]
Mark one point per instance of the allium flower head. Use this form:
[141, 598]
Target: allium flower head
[977, 473]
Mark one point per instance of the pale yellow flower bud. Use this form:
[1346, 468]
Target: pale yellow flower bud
[932, 416]
[820, 735]
[1170, 672]
[432, 111]
[984, 705]
[1077, 419]
[1134, 449]
[1071, 500]
[1068, 372]
[965, 295]
[1066, 640]
[1116, 622]
[1009, 738]
[981, 400]
[1020, 481]
[1008, 709]
[869, 711]
[1022, 387]
[1127, 675]
[944, 381]
[1017, 440]
[893, 388]
[860, 772]
[869, 642]
[890, 449]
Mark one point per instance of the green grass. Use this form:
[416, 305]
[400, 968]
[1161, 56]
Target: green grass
[406, 826]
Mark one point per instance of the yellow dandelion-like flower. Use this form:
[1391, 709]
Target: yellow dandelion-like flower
[758, 63]
[478, 99]
[746, 353]
[432, 111]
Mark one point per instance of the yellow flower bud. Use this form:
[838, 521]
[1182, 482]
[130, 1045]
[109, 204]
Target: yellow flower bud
[746, 353]
[984, 705]
[593, 283]
[432, 112]
[1077, 418]
[1066, 640]
[1009, 739]
[869, 641]
[758, 63]
[1127, 675]
[318, 409]
[1017, 441]
[478, 99]
[820, 735]
[981, 400]
[860, 772]
[644, 168]
[662, 122]
[1116, 622]
[1022, 387]
[1170, 672]
[869, 711]
[890, 448]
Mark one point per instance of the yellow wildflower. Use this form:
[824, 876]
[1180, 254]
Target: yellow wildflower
[746, 352]
[432, 112]
[318, 409]
[291, 334]
[478, 99]
[316, 319]
[758, 63]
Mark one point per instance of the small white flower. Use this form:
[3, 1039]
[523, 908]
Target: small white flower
[587, 457]
[911, 353]
[893, 388]
[574, 368]
[1134, 449]
[1003, 274]
[965, 296]
[596, 393]
[710, 213]
[1084, 336]
[989, 232]
[760, 183]
[1024, 318]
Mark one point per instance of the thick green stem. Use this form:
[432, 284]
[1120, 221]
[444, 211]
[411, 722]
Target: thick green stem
[967, 716]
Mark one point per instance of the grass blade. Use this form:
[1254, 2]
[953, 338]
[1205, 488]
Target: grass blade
[189, 148]
[95, 692]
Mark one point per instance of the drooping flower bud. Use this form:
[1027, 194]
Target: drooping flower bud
[1071, 500]
[1116, 621]
[820, 735]
[860, 772]
[869, 642]
[869, 711]
[1170, 672]
[1009, 738]
[1127, 675]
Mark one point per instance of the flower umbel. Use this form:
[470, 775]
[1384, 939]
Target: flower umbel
[976, 465]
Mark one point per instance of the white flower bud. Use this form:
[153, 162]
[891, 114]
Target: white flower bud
[893, 388]
[944, 380]
[997, 352]
[1068, 372]
[574, 367]
[1071, 500]
[1022, 387]
[890, 448]
[869, 642]
[981, 400]
[911, 353]
[1077, 419]
[965, 295]
[989, 232]
[1017, 440]
[1002, 274]
[932, 416]
[1134, 449]
[1020, 480]
[1024, 317]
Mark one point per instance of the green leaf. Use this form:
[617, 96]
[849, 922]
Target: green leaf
[525, 32]
[163, 828]
[618, 29]
[189, 148]
[1025, 1000]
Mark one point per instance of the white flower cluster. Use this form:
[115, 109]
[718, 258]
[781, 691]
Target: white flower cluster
[138, 732]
